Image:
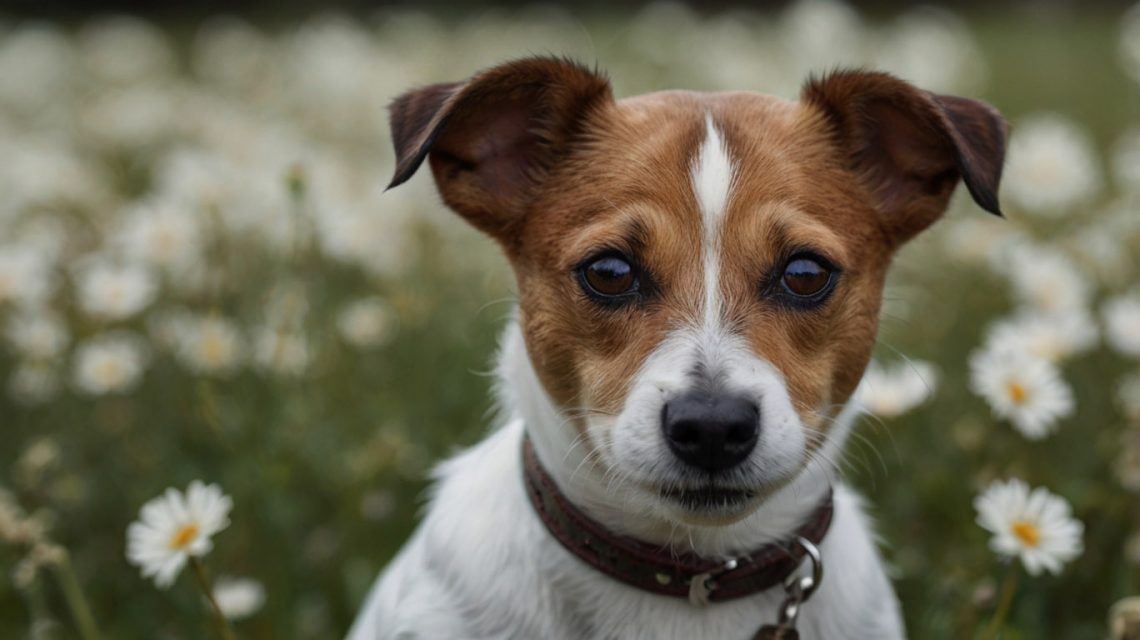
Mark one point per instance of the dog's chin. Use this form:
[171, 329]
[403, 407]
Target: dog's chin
[710, 506]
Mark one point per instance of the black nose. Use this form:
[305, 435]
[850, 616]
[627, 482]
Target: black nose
[711, 431]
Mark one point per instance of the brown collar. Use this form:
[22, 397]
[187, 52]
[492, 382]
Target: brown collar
[655, 569]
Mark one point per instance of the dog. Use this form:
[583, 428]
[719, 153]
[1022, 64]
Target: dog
[699, 279]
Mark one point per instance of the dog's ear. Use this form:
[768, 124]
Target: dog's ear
[491, 140]
[910, 147]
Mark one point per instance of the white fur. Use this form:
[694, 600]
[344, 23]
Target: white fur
[482, 564]
[712, 176]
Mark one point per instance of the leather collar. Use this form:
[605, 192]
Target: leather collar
[654, 568]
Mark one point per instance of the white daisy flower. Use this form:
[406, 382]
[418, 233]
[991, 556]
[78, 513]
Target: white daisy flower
[36, 62]
[1036, 526]
[933, 49]
[888, 392]
[1122, 324]
[174, 527]
[133, 118]
[238, 597]
[368, 322]
[209, 344]
[282, 352]
[820, 32]
[975, 240]
[361, 236]
[37, 335]
[1047, 279]
[1104, 252]
[161, 234]
[25, 276]
[1052, 165]
[111, 363]
[1026, 390]
[114, 292]
[125, 49]
[1050, 336]
[232, 53]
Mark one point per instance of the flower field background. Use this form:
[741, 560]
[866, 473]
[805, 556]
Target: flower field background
[201, 278]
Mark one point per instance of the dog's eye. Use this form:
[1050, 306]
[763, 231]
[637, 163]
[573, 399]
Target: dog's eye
[805, 277]
[610, 276]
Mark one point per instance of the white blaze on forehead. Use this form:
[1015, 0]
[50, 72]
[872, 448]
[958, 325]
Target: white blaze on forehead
[712, 176]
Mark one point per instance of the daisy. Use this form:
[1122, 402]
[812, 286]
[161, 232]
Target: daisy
[1034, 526]
[368, 322]
[161, 234]
[37, 335]
[933, 49]
[358, 236]
[1104, 253]
[114, 292]
[889, 392]
[110, 363]
[1052, 165]
[1026, 390]
[174, 527]
[1049, 336]
[1047, 280]
[25, 276]
[125, 49]
[238, 597]
[1122, 324]
[976, 242]
[281, 351]
[209, 344]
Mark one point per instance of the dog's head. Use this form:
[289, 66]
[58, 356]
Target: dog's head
[699, 274]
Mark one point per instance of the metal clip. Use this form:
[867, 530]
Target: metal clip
[800, 588]
[703, 584]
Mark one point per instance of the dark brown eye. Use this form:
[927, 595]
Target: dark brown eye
[610, 276]
[805, 277]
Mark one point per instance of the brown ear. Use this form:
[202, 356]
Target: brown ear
[492, 139]
[910, 146]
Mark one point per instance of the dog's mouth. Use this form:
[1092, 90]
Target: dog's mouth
[708, 499]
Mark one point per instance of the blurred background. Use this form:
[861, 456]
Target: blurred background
[201, 278]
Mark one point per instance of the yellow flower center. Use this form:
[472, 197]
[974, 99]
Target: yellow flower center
[1027, 532]
[1017, 393]
[184, 537]
[109, 372]
[166, 241]
[214, 349]
[1046, 172]
[116, 295]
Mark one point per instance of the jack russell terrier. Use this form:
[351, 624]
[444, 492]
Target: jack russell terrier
[699, 280]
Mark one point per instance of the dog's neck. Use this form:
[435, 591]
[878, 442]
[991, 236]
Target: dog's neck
[617, 506]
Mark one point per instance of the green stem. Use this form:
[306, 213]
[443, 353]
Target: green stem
[1008, 589]
[73, 594]
[220, 620]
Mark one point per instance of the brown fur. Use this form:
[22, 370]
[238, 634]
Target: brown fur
[539, 155]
